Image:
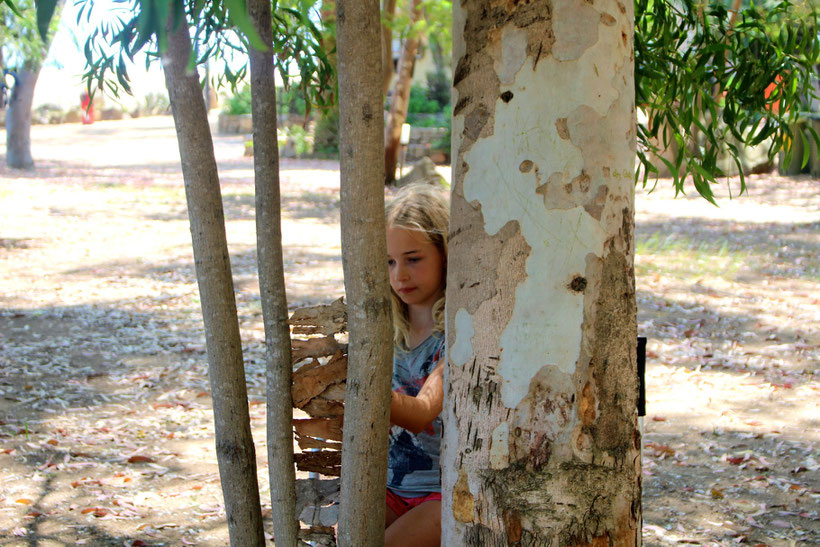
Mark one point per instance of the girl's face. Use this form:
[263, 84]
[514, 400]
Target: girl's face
[416, 267]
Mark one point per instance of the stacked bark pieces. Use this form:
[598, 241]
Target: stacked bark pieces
[320, 370]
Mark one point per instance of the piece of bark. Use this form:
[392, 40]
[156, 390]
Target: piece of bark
[306, 442]
[326, 319]
[312, 382]
[336, 392]
[316, 492]
[318, 535]
[322, 428]
[319, 407]
[324, 516]
[328, 462]
[314, 347]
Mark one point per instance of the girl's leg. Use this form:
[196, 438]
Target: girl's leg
[389, 517]
[419, 527]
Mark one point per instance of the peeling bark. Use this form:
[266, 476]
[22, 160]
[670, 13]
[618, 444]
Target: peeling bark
[541, 445]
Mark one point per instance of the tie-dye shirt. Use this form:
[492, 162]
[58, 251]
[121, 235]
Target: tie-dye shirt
[413, 461]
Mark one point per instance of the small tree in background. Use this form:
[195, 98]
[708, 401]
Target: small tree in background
[23, 49]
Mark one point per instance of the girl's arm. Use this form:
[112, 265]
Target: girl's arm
[416, 413]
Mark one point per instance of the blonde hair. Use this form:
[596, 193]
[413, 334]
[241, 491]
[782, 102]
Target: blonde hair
[424, 208]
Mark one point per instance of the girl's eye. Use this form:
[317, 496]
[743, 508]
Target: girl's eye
[390, 261]
[413, 259]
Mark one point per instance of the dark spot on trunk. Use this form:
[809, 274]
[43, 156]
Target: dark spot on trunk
[367, 113]
[460, 105]
[507, 96]
[526, 166]
[462, 70]
[561, 127]
[578, 284]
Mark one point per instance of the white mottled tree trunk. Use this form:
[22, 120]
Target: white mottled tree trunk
[541, 444]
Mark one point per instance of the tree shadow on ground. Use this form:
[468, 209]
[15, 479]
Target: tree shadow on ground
[85, 389]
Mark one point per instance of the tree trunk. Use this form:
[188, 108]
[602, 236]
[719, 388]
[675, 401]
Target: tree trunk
[18, 120]
[234, 444]
[272, 282]
[401, 97]
[364, 252]
[541, 443]
[388, 12]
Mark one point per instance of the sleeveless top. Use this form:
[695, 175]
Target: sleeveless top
[413, 459]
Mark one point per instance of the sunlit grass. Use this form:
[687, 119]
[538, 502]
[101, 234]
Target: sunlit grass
[681, 257]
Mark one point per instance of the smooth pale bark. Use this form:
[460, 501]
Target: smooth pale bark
[364, 256]
[401, 97]
[18, 120]
[234, 445]
[272, 283]
[388, 12]
[541, 443]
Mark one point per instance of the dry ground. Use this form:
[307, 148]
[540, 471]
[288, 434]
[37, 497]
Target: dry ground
[105, 428]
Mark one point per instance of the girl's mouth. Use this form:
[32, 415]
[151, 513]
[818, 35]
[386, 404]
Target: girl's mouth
[407, 290]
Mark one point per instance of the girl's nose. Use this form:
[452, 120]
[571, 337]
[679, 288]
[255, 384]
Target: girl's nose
[401, 272]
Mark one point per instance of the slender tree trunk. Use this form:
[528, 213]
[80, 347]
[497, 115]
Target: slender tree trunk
[388, 12]
[541, 443]
[364, 252]
[234, 444]
[272, 282]
[401, 97]
[18, 120]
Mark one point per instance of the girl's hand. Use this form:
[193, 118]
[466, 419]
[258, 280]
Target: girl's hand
[415, 414]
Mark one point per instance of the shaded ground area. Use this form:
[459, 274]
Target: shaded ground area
[106, 433]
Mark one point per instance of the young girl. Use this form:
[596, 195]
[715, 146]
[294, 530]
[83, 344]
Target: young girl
[417, 223]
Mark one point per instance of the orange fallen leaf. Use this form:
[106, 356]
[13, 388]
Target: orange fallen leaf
[661, 449]
[24, 501]
[53, 442]
[140, 459]
[34, 514]
[96, 511]
[658, 419]
[716, 494]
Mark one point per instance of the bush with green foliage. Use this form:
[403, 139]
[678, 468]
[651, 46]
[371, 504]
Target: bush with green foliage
[419, 102]
[326, 135]
[239, 102]
[291, 100]
[438, 88]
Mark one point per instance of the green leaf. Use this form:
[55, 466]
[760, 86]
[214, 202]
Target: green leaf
[45, 11]
[238, 14]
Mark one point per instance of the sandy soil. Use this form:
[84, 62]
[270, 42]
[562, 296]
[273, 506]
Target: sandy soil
[106, 436]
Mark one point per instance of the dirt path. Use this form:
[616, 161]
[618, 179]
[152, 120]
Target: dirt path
[105, 427]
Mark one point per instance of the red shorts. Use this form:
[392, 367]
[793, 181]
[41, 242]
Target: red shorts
[400, 505]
